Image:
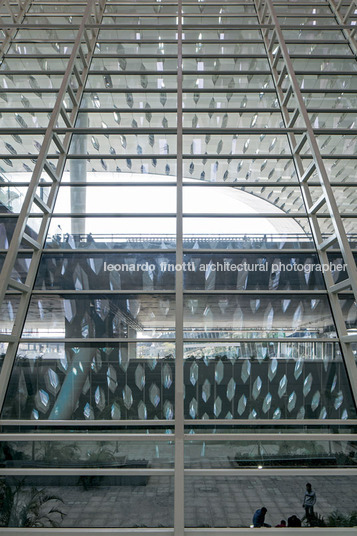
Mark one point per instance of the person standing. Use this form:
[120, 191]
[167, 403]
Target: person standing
[309, 502]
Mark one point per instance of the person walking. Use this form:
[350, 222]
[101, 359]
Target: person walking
[309, 502]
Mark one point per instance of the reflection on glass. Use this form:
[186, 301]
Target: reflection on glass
[118, 200]
[101, 316]
[72, 501]
[208, 496]
[112, 233]
[275, 453]
[117, 382]
[255, 316]
[91, 454]
[272, 271]
[266, 380]
[7, 227]
[3, 348]
[87, 271]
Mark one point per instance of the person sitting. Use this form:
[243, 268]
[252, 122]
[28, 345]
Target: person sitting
[282, 524]
[259, 518]
[294, 521]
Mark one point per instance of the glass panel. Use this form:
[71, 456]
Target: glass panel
[139, 34]
[254, 271]
[137, 21]
[343, 144]
[200, 144]
[23, 119]
[224, 8]
[305, 21]
[21, 267]
[126, 99]
[92, 382]
[7, 228]
[229, 99]
[349, 310]
[127, 143]
[311, 33]
[232, 120]
[106, 271]
[328, 100]
[257, 315]
[147, 118]
[3, 348]
[141, 9]
[266, 380]
[26, 62]
[118, 169]
[100, 316]
[113, 80]
[12, 198]
[266, 454]
[91, 501]
[8, 311]
[97, 233]
[111, 199]
[252, 426]
[232, 501]
[245, 34]
[327, 81]
[232, 64]
[276, 230]
[244, 168]
[92, 454]
[254, 199]
[25, 81]
[223, 20]
[223, 48]
[30, 144]
[303, 10]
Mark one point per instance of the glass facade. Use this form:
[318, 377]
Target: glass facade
[177, 252]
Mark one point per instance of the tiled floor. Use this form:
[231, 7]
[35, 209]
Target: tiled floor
[209, 501]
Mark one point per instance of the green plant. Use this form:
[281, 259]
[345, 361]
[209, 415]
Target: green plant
[6, 501]
[344, 459]
[9, 453]
[88, 482]
[60, 453]
[316, 521]
[95, 459]
[353, 518]
[28, 507]
[101, 455]
[284, 448]
[338, 519]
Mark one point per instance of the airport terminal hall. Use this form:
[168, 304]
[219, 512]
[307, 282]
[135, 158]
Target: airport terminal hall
[178, 280]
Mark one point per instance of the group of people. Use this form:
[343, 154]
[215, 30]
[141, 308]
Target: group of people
[293, 521]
